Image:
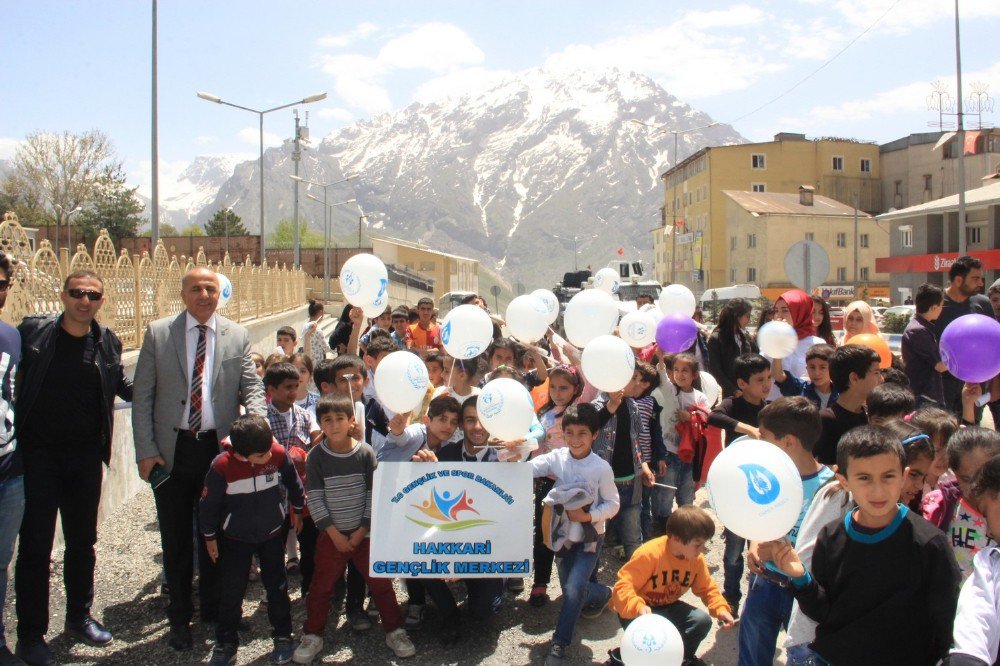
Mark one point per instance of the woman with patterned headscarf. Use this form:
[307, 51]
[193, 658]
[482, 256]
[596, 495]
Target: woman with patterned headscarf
[859, 318]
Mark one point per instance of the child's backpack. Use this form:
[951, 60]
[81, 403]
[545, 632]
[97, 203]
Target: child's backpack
[693, 445]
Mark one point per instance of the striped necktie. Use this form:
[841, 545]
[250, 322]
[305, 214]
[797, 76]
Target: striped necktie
[194, 418]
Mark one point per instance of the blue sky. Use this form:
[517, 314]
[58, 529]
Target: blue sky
[78, 65]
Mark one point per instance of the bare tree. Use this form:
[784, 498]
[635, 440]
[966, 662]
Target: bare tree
[60, 171]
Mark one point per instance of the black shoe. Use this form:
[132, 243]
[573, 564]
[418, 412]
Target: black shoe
[615, 658]
[35, 653]
[451, 631]
[179, 638]
[223, 654]
[90, 631]
[7, 658]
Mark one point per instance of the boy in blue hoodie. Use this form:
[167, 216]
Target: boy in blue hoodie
[243, 488]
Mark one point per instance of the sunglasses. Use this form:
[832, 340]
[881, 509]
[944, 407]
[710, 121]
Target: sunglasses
[80, 293]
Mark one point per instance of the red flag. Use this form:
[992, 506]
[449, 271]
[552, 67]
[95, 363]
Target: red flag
[621, 251]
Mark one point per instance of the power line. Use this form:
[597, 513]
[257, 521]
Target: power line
[821, 67]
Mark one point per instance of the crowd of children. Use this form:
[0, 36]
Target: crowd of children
[901, 504]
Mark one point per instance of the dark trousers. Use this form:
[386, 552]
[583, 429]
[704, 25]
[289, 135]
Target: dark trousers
[692, 623]
[541, 553]
[67, 481]
[484, 600]
[176, 499]
[307, 551]
[234, 573]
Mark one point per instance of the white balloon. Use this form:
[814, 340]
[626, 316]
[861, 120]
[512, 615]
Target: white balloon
[777, 339]
[710, 388]
[608, 363]
[551, 303]
[652, 640]
[638, 328]
[467, 331]
[225, 289]
[607, 280]
[373, 310]
[590, 313]
[401, 381]
[677, 298]
[653, 311]
[505, 409]
[755, 490]
[364, 280]
[527, 318]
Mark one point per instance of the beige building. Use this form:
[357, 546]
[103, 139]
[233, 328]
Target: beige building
[448, 271]
[923, 167]
[760, 227]
[694, 195]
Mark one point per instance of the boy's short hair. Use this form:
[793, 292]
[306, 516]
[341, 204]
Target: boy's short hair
[584, 414]
[821, 352]
[400, 313]
[323, 372]
[888, 401]
[647, 373]
[346, 361]
[472, 367]
[376, 333]
[443, 404]
[987, 479]
[915, 444]
[936, 422]
[895, 376]
[425, 301]
[928, 295]
[867, 442]
[334, 404]
[250, 434]
[287, 331]
[795, 416]
[435, 357]
[381, 344]
[747, 365]
[687, 523]
[847, 359]
[279, 373]
[277, 357]
[967, 440]
[472, 401]
[962, 266]
[413, 316]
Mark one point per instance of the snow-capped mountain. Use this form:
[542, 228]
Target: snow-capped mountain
[509, 176]
[187, 198]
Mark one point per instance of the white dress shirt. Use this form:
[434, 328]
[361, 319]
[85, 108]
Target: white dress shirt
[977, 622]
[191, 347]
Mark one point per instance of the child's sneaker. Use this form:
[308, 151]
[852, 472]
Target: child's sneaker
[400, 643]
[223, 654]
[556, 655]
[414, 616]
[292, 567]
[539, 596]
[283, 650]
[359, 621]
[372, 610]
[515, 585]
[309, 647]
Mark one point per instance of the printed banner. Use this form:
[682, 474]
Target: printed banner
[452, 520]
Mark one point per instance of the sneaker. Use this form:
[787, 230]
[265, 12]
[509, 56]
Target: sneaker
[400, 643]
[7, 657]
[292, 567]
[539, 596]
[414, 616]
[359, 621]
[556, 655]
[283, 650]
[372, 609]
[309, 647]
[223, 654]
[515, 585]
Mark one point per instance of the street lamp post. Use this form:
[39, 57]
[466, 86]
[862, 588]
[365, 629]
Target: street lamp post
[576, 245]
[326, 223]
[66, 214]
[260, 114]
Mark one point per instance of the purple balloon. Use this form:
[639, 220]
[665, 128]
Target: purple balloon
[969, 348]
[676, 332]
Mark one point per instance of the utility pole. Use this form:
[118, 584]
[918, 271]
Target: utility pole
[856, 245]
[960, 140]
[154, 204]
[296, 157]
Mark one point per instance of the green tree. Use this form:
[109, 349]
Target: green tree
[190, 230]
[283, 236]
[225, 222]
[28, 210]
[165, 230]
[114, 207]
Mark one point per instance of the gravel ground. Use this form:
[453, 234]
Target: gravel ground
[129, 603]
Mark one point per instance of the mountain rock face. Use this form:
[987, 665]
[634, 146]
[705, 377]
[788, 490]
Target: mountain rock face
[189, 198]
[508, 176]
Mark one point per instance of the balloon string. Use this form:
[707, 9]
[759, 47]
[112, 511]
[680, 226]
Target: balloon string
[451, 372]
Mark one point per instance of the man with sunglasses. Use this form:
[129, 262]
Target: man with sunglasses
[193, 374]
[70, 372]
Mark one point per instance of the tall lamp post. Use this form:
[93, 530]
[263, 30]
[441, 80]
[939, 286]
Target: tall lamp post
[576, 246]
[260, 114]
[66, 214]
[326, 223]
[673, 203]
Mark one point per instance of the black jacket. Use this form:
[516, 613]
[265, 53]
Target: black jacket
[722, 352]
[38, 343]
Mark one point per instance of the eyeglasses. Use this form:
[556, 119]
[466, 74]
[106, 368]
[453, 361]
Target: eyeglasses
[914, 438]
[4, 285]
[81, 293]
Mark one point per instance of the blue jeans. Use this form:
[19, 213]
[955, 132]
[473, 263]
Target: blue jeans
[11, 512]
[802, 655]
[732, 566]
[578, 590]
[626, 525]
[692, 623]
[678, 474]
[646, 518]
[766, 611]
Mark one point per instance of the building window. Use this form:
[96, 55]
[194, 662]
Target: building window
[751, 240]
[899, 188]
[732, 275]
[758, 187]
[927, 182]
[751, 274]
[838, 163]
[866, 165]
[906, 236]
[841, 240]
[974, 235]
[841, 274]
[732, 242]
[757, 161]
[864, 274]
[810, 236]
[864, 240]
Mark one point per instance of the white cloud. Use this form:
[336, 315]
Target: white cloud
[912, 14]
[251, 135]
[336, 113]
[344, 39]
[813, 40]
[458, 83]
[438, 47]
[206, 140]
[357, 79]
[7, 147]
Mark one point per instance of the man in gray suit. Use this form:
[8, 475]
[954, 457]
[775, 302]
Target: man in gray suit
[194, 372]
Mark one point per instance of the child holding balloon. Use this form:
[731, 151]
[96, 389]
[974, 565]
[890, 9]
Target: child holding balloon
[854, 371]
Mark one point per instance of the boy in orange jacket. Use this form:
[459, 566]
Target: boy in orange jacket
[662, 570]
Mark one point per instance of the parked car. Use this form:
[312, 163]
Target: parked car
[837, 319]
[907, 310]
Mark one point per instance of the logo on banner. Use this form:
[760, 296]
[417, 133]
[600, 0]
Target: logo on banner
[942, 262]
[444, 508]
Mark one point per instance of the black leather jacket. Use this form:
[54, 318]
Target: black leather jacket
[37, 348]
